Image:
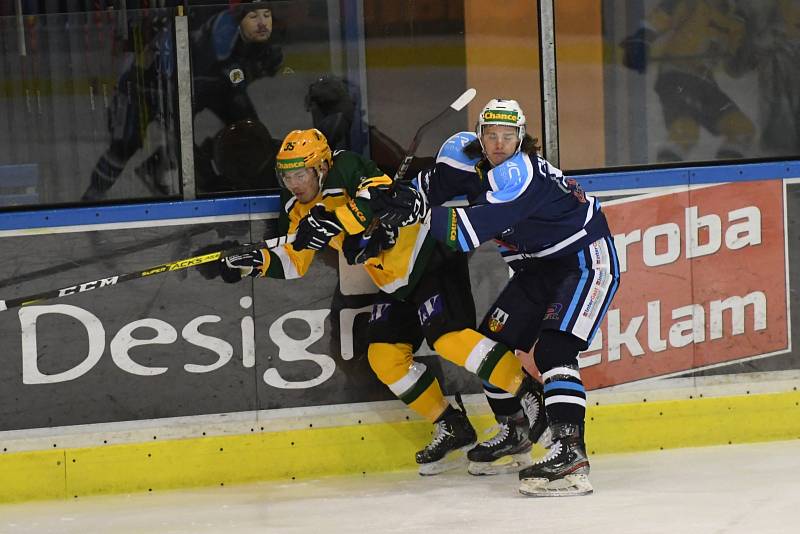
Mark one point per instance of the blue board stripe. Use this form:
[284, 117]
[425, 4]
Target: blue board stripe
[689, 176]
[138, 212]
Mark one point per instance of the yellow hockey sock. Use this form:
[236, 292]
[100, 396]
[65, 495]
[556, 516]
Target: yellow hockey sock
[412, 382]
[490, 360]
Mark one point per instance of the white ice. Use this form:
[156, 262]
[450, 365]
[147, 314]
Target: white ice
[753, 488]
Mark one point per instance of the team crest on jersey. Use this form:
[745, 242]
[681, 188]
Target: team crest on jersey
[380, 312]
[430, 308]
[554, 311]
[498, 320]
[236, 76]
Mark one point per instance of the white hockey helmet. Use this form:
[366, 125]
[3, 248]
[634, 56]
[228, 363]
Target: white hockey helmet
[502, 112]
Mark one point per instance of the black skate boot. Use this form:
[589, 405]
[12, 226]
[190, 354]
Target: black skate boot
[508, 451]
[156, 172]
[452, 436]
[531, 397]
[564, 470]
[108, 168]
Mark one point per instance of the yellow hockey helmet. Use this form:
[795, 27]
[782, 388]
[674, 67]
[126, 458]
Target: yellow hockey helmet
[304, 149]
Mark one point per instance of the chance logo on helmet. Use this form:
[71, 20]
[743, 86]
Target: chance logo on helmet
[289, 164]
[503, 112]
[499, 116]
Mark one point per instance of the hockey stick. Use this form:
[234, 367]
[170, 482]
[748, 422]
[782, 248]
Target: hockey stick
[172, 266]
[457, 105]
[99, 257]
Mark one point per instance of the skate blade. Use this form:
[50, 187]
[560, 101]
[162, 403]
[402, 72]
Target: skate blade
[569, 486]
[454, 459]
[507, 464]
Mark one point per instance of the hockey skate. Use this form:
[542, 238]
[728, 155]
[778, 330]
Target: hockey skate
[508, 451]
[531, 397]
[453, 435]
[156, 172]
[563, 471]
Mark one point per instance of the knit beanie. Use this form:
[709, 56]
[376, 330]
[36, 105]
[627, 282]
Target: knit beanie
[241, 8]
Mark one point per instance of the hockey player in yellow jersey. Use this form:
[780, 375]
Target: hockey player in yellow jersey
[424, 289]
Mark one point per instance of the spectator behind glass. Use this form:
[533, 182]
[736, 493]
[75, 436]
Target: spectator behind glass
[229, 51]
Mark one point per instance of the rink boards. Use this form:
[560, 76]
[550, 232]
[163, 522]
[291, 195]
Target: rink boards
[175, 380]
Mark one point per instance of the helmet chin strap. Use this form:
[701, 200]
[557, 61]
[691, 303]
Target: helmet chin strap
[321, 175]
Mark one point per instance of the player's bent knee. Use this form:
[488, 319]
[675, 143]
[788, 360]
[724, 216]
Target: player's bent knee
[684, 131]
[736, 127]
[389, 361]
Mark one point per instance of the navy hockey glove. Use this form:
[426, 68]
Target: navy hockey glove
[235, 267]
[401, 204]
[317, 229]
[636, 48]
[357, 249]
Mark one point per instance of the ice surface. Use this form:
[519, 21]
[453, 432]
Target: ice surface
[753, 488]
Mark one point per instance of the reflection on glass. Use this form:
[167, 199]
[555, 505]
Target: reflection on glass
[231, 50]
[580, 76]
[702, 80]
[88, 110]
[260, 70]
[416, 66]
[143, 111]
[772, 46]
[422, 55]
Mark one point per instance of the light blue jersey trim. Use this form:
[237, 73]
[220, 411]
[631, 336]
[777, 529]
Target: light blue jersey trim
[510, 179]
[462, 242]
[576, 297]
[452, 152]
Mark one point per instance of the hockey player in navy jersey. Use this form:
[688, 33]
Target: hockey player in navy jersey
[556, 240]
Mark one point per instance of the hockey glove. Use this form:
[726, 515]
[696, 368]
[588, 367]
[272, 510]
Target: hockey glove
[317, 229]
[402, 204]
[213, 269]
[358, 249]
[235, 267]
